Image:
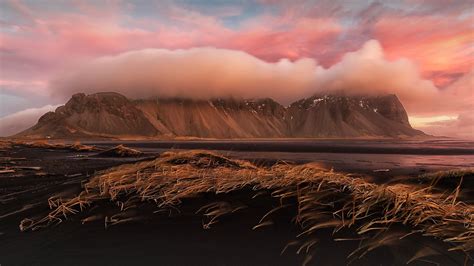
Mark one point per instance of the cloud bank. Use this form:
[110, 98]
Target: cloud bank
[19, 121]
[436, 36]
[460, 127]
[211, 72]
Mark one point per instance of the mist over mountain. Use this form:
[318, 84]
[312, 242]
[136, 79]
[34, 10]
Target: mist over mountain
[203, 73]
[112, 115]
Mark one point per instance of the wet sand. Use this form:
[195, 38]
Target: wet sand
[420, 147]
[366, 157]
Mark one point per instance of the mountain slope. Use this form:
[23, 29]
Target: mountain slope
[92, 115]
[216, 118]
[343, 116]
[113, 115]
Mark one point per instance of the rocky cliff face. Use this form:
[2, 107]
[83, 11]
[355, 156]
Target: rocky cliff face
[113, 115]
[106, 114]
[344, 116]
[216, 118]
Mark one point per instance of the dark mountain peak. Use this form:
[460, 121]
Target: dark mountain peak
[265, 106]
[100, 97]
[388, 105]
[323, 115]
[105, 113]
[105, 101]
[345, 115]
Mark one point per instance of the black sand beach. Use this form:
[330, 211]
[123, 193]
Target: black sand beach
[178, 238]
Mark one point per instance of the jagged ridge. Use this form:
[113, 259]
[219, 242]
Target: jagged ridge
[113, 115]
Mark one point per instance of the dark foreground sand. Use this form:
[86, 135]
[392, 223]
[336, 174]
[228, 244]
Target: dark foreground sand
[162, 238]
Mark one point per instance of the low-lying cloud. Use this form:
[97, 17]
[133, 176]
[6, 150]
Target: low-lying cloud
[208, 72]
[19, 121]
[460, 127]
[211, 72]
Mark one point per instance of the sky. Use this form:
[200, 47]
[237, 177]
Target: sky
[422, 51]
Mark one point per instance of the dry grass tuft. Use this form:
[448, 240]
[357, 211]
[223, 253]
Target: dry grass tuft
[324, 199]
[5, 145]
[453, 177]
[461, 181]
[44, 144]
[121, 151]
[202, 159]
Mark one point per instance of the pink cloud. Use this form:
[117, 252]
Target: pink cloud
[442, 48]
[30, 87]
[461, 127]
[304, 37]
[43, 42]
[192, 73]
[51, 43]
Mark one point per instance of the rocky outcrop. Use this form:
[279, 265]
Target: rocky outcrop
[344, 116]
[217, 118]
[114, 115]
[100, 114]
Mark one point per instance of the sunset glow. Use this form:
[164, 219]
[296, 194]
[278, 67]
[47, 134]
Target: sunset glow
[236, 132]
[427, 48]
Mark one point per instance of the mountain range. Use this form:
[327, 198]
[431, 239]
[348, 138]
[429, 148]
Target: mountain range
[112, 115]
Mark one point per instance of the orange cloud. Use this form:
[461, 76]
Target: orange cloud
[212, 72]
[434, 37]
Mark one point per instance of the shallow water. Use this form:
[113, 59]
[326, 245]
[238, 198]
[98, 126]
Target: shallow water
[375, 157]
[427, 147]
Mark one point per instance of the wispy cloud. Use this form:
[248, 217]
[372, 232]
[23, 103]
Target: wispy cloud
[19, 121]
